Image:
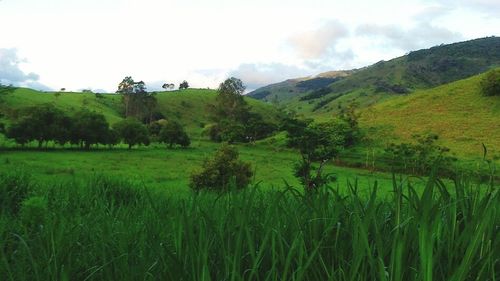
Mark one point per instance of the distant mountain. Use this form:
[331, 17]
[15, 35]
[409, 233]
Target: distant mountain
[421, 69]
[293, 87]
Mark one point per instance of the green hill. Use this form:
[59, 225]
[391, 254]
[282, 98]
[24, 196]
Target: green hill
[186, 106]
[421, 69]
[457, 112]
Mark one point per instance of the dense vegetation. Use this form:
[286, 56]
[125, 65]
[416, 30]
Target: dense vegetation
[110, 229]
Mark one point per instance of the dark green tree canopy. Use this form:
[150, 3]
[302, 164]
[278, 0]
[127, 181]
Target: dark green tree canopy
[132, 132]
[89, 128]
[490, 85]
[173, 133]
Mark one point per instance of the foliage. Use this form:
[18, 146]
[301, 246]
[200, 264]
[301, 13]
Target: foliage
[137, 101]
[232, 118]
[132, 132]
[14, 189]
[490, 85]
[34, 212]
[441, 232]
[89, 128]
[41, 123]
[350, 115]
[172, 133]
[222, 172]
[316, 142]
[418, 157]
[184, 85]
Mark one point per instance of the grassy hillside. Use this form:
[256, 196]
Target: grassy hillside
[187, 106]
[457, 112]
[421, 69]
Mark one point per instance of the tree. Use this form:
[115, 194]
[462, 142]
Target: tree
[41, 123]
[222, 172]
[419, 156]
[316, 142]
[168, 86]
[490, 85]
[350, 115]
[136, 100]
[173, 133]
[184, 85]
[89, 128]
[231, 115]
[132, 132]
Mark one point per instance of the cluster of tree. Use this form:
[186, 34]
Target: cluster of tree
[46, 123]
[419, 156]
[183, 85]
[136, 100]
[168, 86]
[490, 85]
[231, 116]
[223, 172]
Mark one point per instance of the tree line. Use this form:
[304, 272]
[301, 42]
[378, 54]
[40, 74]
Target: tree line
[46, 124]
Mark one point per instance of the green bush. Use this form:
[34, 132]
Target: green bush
[222, 172]
[490, 85]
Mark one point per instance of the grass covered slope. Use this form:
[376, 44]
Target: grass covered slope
[187, 106]
[457, 112]
[108, 105]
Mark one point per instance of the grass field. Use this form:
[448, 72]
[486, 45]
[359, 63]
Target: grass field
[108, 228]
[169, 169]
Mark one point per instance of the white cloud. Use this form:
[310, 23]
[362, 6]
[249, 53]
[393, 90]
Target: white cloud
[257, 75]
[320, 42]
[11, 72]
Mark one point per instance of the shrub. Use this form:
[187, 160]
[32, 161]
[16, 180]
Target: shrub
[222, 172]
[490, 85]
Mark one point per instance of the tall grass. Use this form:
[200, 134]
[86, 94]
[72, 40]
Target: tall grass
[110, 229]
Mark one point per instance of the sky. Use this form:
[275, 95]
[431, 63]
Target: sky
[94, 44]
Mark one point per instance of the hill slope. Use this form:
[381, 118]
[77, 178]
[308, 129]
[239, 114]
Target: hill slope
[457, 112]
[187, 106]
[421, 69]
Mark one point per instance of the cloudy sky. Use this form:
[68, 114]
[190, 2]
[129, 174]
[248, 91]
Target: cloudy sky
[93, 44]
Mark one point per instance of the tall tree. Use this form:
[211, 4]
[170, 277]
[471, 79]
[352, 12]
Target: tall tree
[230, 112]
[134, 95]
